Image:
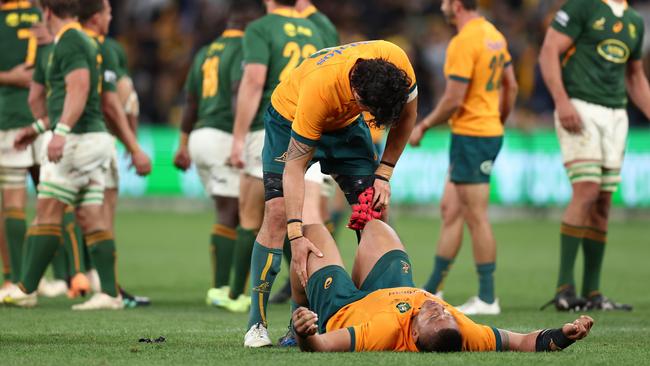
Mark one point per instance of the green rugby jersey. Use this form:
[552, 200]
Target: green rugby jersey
[593, 69]
[215, 69]
[325, 26]
[17, 46]
[74, 50]
[108, 75]
[280, 40]
[122, 67]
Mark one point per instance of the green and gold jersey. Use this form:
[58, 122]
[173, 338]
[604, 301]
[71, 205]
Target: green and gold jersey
[593, 69]
[40, 66]
[216, 69]
[325, 26]
[280, 40]
[74, 50]
[109, 62]
[122, 67]
[17, 46]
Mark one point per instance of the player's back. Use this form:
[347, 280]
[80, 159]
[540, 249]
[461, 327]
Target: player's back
[216, 68]
[18, 46]
[477, 55]
[280, 40]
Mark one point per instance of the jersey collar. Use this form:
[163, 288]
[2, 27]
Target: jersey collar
[308, 11]
[232, 33]
[67, 27]
[16, 5]
[93, 34]
[287, 12]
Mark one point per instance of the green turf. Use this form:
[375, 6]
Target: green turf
[165, 256]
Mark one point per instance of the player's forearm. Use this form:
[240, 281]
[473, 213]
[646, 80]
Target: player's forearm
[116, 118]
[248, 102]
[445, 109]
[549, 64]
[639, 91]
[37, 101]
[518, 342]
[12, 78]
[293, 182]
[398, 136]
[508, 100]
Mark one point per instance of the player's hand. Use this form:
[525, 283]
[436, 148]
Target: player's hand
[55, 148]
[300, 249]
[141, 162]
[579, 328]
[305, 322]
[381, 199]
[25, 137]
[569, 117]
[416, 135]
[182, 158]
[236, 159]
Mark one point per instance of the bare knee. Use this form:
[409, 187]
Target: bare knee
[379, 237]
[49, 211]
[91, 218]
[585, 193]
[227, 211]
[450, 212]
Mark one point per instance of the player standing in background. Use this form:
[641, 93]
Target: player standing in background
[590, 58]
[95, 17]
[326, 28]
[17, 55]
[206, 140]
[480, 93]
[273, 46]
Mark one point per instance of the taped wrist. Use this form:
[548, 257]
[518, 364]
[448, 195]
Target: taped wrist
[61, 129]
[39, 126]
[549, 340]
[294, 229]
[384, 171]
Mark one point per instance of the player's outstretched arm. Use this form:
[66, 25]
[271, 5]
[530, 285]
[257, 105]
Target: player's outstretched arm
[305, 324]
[547, 340]
[509, 89]
[637, 86]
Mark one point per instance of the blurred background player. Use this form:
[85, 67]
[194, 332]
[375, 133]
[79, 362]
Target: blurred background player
[206, 140]
[315, 115]
[17, 56]
[480, 93]
[96, 24]
[273, 46]
[590, 59]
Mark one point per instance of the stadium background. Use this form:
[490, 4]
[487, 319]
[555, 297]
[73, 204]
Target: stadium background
[161, 36]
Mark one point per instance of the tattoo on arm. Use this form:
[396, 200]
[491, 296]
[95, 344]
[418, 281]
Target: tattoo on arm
[297, 150]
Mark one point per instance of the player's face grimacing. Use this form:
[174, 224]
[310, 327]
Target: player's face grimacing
[432, 323]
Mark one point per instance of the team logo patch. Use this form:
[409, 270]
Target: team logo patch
[618, 26]
[263, 287]
[614, 51]
[403, 307]
[328, 283]
[486, 167]
[405, 267]
[282, 158]
[599, 24]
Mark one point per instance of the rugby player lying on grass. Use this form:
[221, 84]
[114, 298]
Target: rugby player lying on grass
[379, 309]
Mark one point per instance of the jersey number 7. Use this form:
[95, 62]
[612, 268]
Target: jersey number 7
[32, 45]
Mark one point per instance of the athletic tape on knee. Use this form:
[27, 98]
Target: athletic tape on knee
[585, 172]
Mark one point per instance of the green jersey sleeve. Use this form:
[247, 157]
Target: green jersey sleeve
[257, 49]
[68, 53]
[40, 65]
[109, 67]
[637, 52]
[570, 19]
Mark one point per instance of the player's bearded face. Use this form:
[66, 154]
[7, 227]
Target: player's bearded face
[448, 11]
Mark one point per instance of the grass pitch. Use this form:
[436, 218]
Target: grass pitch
[165, 256]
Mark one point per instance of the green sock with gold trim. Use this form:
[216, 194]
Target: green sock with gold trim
[593, 248]
[74, 243]
[570, 238]
[222, 249]
[241, 260]
[41, 243]
[101, 247]
[15, 228]
[265, 265]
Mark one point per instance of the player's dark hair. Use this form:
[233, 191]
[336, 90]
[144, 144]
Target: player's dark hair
[62, 8]
[286, 2]
[443, 341]
[382, 87]
[469, 4]
[88, 8]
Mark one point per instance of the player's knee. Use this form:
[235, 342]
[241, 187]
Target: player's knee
[449, 212]
[274, 214]
[227, 211]
[586, 192]
[90, 219]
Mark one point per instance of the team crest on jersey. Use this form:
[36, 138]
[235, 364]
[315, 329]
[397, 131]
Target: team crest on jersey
[486, 167]
[328, 283]
[618, 26]
[614, 51]
[405, 267]
[599, 24]
[282, 158]
[403, 307]
[291, 30]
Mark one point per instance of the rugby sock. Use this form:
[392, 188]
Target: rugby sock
[242, 260]
[570, 238]
[222, 248]
[440, 270]
[41, 243]
[265, 265]
[101, 248]
[15, 228]
[593, 246]
[486, 281]
[60, 265]
[74, 244]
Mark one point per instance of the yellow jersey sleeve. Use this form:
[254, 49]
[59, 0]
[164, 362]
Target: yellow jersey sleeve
[374, 336]
[459, 63]
[476, 337]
